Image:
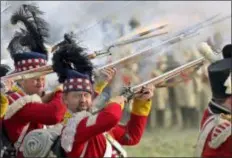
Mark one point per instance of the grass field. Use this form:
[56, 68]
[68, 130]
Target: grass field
[165, 143]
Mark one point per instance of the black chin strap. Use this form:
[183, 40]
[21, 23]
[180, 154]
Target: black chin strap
[217, 109]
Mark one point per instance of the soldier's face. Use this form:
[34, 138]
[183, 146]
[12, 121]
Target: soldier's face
[33, 85]
[78, 101]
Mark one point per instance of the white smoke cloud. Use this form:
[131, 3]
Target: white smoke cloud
[64, 16]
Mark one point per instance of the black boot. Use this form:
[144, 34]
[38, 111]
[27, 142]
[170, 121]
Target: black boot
[195, 118]
[184, 115]
[160, 118]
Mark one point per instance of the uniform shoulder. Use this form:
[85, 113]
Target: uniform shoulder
[14, 95]
[18, 100]
[221, 131]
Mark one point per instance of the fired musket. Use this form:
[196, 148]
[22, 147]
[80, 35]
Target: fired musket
[129, 92]
[196, 27]
[7, 7]
[48, 69]
[43, 70]
[219, 20]
[189, 32]
[142, 31]
[196, 64]
[106, 51]
[125, 42]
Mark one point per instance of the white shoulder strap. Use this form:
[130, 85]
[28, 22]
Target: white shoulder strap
[84, 150]
[115, 144]
[206, 128]
[18, 143]
[109, 150]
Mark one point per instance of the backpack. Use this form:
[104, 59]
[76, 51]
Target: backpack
[43, 143]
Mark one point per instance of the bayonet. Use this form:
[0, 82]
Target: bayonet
[7, 7]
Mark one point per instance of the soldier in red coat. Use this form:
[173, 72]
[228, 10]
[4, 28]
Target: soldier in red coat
[215, 139]
[95, 135]
[26, 110]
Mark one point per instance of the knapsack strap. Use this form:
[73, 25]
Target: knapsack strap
[18, 143]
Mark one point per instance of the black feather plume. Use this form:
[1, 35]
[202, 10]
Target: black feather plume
[71, 56]
[34, 34]
[68, 39]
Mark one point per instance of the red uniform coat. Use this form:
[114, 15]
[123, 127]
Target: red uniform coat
[218, 139]
[24, 109]
[83, 135]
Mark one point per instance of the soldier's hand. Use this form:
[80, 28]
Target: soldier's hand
[119, 99]
[108, 74]
[47, 97]
[145, 93]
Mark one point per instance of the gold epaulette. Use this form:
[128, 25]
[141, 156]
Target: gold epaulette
[67, 116]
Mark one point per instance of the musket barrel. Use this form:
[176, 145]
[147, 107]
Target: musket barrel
[28, 73]
[170, 74]
[126, 59]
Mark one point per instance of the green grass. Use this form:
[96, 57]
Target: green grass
[165, 143]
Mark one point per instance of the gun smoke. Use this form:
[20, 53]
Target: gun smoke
[100, 23]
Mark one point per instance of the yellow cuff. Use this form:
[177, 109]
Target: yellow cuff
[4, 105]
[141, 107]
[99, 86]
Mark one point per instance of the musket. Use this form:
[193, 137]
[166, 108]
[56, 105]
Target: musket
[125, 42]
[196, 64]
[189, 68]
[218, 20]
[188, 32]
[121, 42]
[141, 32]
[132, 56]
[48, 69]
[196, 27]
[43, 70]
[7, 7]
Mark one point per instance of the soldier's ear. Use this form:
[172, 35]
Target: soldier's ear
[21, 83]
[228, 103]
[64, 98]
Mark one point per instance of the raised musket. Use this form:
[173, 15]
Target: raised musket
[142, 32]
[196, 27]
[162, 79]
[125, 42]
[186, 33]
[146, 34]
[43, 70]
[174, 39]
[189, 68]
[218, 20]
[7, 7]
[143, 51]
